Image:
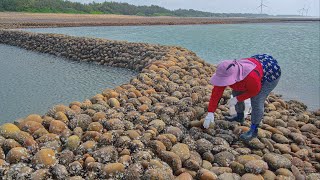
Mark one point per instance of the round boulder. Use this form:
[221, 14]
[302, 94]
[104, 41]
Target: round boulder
[81, 120]
[17, 154]
[44, 157]
[224, 158]
[112, 169]
[182, 150]
[249, 176]
[276, 161]
[256, 166]
[8, 130]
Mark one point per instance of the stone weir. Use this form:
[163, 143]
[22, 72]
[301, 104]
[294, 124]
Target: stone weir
[151, 127]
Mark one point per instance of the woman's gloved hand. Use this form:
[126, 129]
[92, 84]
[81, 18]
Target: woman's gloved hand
[233, 101]
[209, 119]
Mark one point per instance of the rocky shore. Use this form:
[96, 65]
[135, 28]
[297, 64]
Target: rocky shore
[11, 20]
[151, 128]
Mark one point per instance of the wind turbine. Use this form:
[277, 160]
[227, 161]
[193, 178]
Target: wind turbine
[300, 11]
[261, 6]
[307, 10]
[303, 10]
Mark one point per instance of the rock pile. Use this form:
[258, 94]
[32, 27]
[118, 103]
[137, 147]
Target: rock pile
[151, 128]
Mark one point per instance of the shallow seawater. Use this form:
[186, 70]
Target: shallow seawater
[32, 82]
[294, 45]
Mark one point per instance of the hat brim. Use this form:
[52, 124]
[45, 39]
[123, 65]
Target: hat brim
[222, 81]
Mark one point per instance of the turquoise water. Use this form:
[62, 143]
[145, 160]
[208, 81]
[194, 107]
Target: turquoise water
[32, 82]
[294, 45]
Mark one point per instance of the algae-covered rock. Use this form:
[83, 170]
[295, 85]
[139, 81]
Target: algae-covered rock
[203, 145]
[61, 116]
[44, 158]
[182, 150]
[113, 169]
[30, 126]
[59, 171]
[34, 117]
[105, 154]
[220, 170]
[7, 130]
[17, 154]
[75, 178]
[309, 128]
[113, 102]
[205, 174]
[87, 147]
[177, 132]
[66, 157]
[206, 164]
[280, 138]
[114, 124]
[284, 172]
[157, 174]
[184, 176]
[237, 168]
[172, 159]
[276, 161]
[313, 176]
[57, 127]
[18, 171]
[268, 175]
[98, 116]
[9, 144]
[249, 176]
[243, 159]
[158, 124]
[256, 166]
[75, 168]
[73, 142]
[229, 176]
[95, 126]
[81, 120]
[224, 159]
[40, 174]
[157, 146]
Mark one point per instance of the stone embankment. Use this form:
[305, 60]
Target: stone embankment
[151, 128]
[11, 20]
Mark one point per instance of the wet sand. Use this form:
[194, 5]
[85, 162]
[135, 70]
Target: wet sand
[10, 20]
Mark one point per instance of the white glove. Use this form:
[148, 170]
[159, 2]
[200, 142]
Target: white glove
[209, 119]
[233, 101]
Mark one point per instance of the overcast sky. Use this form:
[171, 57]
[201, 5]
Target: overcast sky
[280, 7]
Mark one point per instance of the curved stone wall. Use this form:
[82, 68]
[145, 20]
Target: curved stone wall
[151, 127]
[113, 53]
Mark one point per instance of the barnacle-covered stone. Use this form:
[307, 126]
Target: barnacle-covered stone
[44, 158]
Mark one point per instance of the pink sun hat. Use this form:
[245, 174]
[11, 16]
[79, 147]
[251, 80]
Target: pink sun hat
[231, 71]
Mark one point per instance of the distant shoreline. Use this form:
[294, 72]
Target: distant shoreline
[13, 20]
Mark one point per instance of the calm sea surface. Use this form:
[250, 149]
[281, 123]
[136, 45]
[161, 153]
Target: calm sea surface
[294, 45]
[32, 82]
